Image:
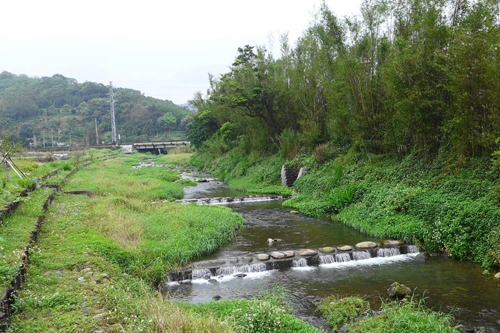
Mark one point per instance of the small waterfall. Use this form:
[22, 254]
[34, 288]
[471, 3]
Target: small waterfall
[202, 273]
[328, 259]
[299, 263]
[413, 249]
[226, 270]
[361, 255]
[342, 257]
[388, 252]
[253, 268]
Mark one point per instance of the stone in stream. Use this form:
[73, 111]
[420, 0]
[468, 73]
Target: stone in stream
[307, 252]
[263, 256]
[497, 275]
[422, 257]
[240, 275]
[393, 242]
[344, 247]
[366, 245]
[277, 255]
[289, 254]
[397, 290]
[327, 249]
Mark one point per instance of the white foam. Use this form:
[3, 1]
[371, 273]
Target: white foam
[173, 284]
[200, 281]
[371, 261]
[305, 269]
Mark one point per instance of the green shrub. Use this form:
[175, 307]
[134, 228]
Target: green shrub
[338, 311]
[406, 316]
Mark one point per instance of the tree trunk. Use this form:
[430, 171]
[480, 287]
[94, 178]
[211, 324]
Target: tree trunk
[7, 176]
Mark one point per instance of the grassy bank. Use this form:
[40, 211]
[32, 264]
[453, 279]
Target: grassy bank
[255, 174]
[442, 206]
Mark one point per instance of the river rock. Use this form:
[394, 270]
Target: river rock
[289, 254]
[344, 247]
[327, 249]
[366, 245]
[307, 252]
[263, 256]
[240, 275]
[277, 255]
[397, 290]
[497, 275]
[393, 242]
[422, 257]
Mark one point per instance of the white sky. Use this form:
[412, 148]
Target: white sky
[163, 48]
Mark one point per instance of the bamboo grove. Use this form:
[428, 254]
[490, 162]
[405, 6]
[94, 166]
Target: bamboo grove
[405, 76]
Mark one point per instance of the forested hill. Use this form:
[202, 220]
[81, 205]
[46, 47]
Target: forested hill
[59, 107]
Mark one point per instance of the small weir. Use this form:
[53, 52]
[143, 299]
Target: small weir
[217, 269]
[231, 200]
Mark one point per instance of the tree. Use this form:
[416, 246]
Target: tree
[169, 121]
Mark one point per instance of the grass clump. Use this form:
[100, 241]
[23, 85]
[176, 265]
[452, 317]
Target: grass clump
[353, 314]
[267, 313]
[338, 311]
[405, 316]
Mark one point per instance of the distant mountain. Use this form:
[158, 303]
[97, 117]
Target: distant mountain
[60, 109]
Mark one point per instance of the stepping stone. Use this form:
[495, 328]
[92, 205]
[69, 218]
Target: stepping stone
[289, 254]
[344, 247]
[393, 242]
[366, 245]
[307, 252]
[263, 256]
[277, 255]
[327, 249]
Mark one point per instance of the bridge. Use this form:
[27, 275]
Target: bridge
[155, 147]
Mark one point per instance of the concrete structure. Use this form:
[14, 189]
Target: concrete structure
[156, 147]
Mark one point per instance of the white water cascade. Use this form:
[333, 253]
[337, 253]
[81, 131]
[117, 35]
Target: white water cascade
[388, 252]
[299, 263]
[202, 273]
[361, 255]
[342, 257]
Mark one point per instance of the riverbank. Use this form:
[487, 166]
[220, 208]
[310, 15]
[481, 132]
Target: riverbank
[438, 204]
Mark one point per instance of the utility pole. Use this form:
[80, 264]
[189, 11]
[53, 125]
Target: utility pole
[112, 104]
[96, 133]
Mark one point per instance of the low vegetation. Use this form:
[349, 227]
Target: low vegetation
[353, 315]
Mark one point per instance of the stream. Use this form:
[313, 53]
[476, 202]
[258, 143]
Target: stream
[447, 285]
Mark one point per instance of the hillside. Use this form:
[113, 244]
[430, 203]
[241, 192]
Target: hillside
[62, 109]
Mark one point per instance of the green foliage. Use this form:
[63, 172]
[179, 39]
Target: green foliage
[406, 316]
[268, 313]
[338, 311]
[410, 199]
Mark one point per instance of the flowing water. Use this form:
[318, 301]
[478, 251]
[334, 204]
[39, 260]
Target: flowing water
[446, 284]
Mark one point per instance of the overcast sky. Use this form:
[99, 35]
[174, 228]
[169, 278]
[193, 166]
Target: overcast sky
[163, 48]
